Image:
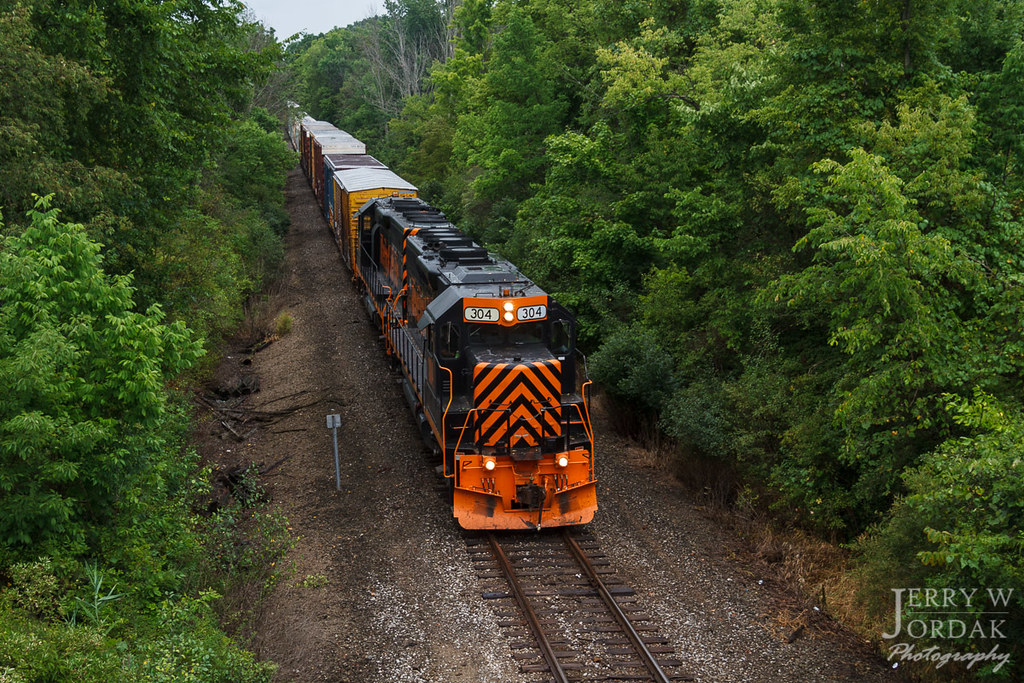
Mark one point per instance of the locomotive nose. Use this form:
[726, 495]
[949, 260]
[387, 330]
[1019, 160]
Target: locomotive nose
[517, 404]
[528, 465]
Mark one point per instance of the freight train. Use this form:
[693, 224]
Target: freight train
[487, 358]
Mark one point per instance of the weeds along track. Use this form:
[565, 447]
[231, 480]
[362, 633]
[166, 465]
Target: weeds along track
[566, 615]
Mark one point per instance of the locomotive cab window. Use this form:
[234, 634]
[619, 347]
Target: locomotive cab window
[449, 341]
[561, 337]
[481, 334]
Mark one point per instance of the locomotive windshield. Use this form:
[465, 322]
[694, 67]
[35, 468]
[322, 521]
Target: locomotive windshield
[482, 334]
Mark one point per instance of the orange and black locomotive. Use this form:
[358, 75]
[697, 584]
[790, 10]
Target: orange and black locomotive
[488, 358]
[489, 365]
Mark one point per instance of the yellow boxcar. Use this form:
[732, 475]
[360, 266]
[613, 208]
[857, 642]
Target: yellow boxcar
[355, 187]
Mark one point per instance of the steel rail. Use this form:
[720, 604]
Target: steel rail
[531, 617]
[624, 623]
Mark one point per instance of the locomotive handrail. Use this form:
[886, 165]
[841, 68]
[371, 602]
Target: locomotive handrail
[392, 317]
[585, 420]
[381, 311]
[444, 420]
[465, 424]
[588, 426]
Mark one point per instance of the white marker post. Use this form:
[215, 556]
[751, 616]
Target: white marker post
[333, 422]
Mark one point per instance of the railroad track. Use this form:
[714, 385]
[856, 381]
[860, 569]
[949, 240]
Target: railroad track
[567, 616]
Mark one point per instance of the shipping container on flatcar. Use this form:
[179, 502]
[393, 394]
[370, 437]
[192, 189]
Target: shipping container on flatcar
[353, 188]
[307, 129]
[341, 162]
[330, 142]
[489, 366]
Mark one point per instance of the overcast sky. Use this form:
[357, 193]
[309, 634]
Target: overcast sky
[312, 16]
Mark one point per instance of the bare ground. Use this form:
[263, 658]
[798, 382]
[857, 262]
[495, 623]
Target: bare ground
[382, 588]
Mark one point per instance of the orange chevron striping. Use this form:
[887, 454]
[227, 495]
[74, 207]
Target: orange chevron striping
[483, 374]
[517, 395]
[495, 391]
[549, 369]
[521, 391]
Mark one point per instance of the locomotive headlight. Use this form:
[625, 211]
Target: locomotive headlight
[489, 464]
[508, 316]
[508, 306]
[563, 461]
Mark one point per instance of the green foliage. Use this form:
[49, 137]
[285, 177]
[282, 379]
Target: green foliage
[84, 373]
[34, 651]
[314, 581]
[247, 539]
[45, 97]
[252, 166]
[283, 323]
[110, 620]
[587, 262]
[123, 113]
[907, 309]
[960, 522]
[95, 607]
[499, 142]
[635, 370]
[696, 415]
[885, 287]
[147, 123]
[187, 645]
[35, 589]
[246, 543]
[178, 640]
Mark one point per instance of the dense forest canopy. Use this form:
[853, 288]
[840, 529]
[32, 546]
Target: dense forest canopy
[791, 231]
[141, 191]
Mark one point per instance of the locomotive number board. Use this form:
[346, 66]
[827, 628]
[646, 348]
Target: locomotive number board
[479, 314]
[506, 312]
[532, 312]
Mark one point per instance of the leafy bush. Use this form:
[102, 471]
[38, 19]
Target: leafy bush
[185, 644]
[80, 424]
[35, 589]
[37, 651]
[252, 167]
[635, 370]
[178, 639]
[960, 524]
[245, 544]
[697, 415]
[283, 323]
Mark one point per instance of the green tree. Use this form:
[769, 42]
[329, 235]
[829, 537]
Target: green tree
[960, 525]
[46, 100]
[84, 386]
[501, 140]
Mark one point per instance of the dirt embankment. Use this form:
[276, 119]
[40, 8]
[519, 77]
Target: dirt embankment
[383, 589]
